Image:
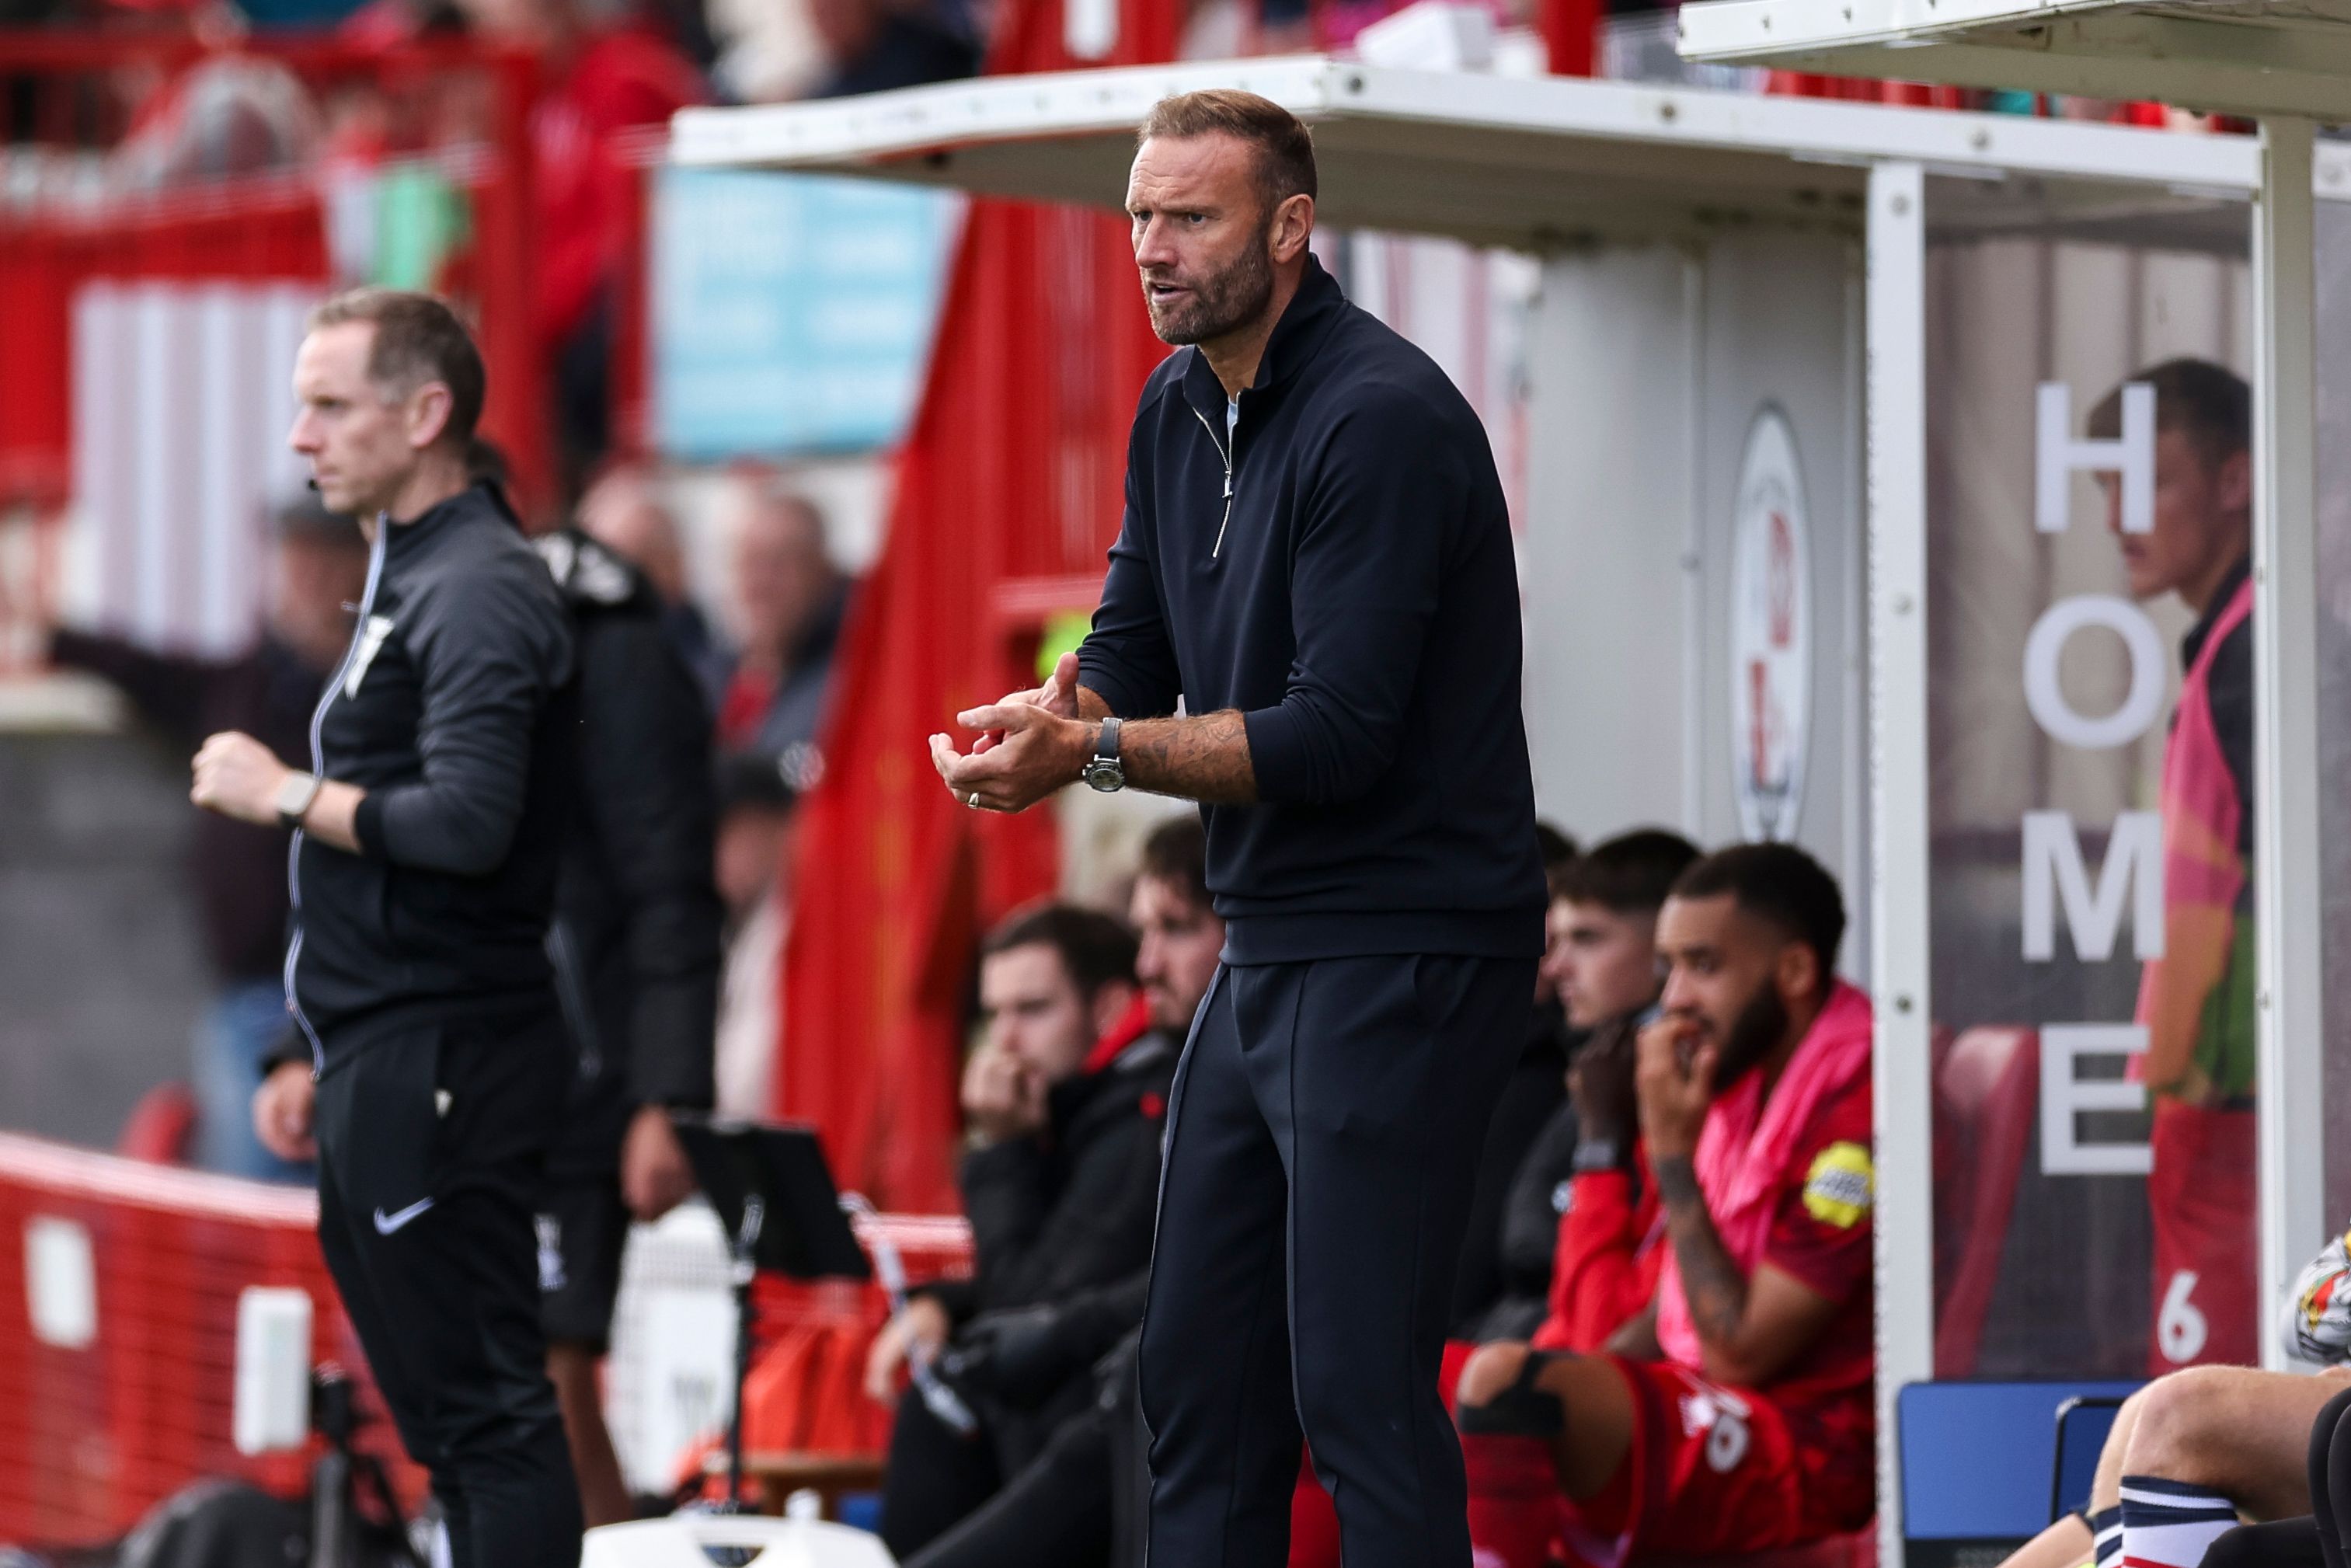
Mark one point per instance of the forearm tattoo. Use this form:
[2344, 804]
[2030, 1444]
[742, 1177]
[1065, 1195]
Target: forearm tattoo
[1204, 759]
[1712, 1283]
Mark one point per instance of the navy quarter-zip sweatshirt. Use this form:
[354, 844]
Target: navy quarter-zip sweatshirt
[1342, 573]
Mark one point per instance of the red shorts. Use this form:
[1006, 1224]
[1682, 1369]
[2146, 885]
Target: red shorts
[2207, 1249]
[1711, 1471]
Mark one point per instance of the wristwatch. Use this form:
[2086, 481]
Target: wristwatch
[1105, 772]
[294, 798]
[1593, 1154]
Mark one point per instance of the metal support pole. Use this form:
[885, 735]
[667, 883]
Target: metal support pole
[745, 1273]
[1904, 1233]
[2288, 897]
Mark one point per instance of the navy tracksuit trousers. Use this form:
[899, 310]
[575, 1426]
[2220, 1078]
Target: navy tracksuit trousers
[1323, 1144]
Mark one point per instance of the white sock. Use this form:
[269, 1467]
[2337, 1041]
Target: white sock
[2169, 1524]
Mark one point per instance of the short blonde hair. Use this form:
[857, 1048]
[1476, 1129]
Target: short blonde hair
[1284, 147]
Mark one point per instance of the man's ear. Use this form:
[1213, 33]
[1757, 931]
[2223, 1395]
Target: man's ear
[2235, 481]
[429, 407]
[1798, 972]
[1110, 1005]
[1293, 225]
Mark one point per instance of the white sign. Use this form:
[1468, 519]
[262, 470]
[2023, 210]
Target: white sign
[272, 1413]
[61, 1282]
[2056, 879]
[1770, 632]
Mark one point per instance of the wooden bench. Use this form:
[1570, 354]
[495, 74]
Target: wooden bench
[773, 1475]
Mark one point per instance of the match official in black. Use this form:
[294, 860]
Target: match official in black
[428, 830]
[1316, 559]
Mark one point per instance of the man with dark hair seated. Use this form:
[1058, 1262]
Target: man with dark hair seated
[1735, 1414]
[1065, 1099]
[1602, 954]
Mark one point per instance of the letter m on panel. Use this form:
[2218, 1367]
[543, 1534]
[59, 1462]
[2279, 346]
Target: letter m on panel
[2054, 874]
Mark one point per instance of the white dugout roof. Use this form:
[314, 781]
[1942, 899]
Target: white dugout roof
[1551, 165]
[1532, 164]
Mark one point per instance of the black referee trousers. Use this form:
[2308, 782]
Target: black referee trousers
[430, 1142]
[1322, 1144]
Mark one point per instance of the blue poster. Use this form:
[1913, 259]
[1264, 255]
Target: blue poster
[791, 313]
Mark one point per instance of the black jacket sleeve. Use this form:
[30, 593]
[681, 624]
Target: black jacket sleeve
[1093, 1321]
[645, 785]
[1128, 659]
[1025, 1354]
[1365, 574]
[170, 692]
[1041, 1235]
[2231, 691]
[492, 648]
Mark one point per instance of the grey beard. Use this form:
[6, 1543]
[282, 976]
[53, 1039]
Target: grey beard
[1232, 298]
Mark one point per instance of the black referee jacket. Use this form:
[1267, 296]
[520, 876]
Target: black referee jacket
[452, 708]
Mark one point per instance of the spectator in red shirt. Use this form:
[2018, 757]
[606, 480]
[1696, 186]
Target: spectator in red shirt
[599, 81]
[1735, 1414]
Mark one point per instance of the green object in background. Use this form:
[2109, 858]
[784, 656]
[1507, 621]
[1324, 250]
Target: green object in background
[1063, 632]
[421, 220]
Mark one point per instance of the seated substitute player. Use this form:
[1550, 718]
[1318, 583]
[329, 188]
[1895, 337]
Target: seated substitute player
[1736, 1414]
[1066, 1100]
[1603, 956]
[2191, 1453]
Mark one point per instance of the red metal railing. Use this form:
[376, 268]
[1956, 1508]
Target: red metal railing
[270, 227]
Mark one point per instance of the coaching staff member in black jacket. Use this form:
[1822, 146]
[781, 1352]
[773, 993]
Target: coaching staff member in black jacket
[1316, 559]
[1066, 1108]
[635, 946]
[427, 835]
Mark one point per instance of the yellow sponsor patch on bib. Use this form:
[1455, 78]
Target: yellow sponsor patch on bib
[1841, 1187]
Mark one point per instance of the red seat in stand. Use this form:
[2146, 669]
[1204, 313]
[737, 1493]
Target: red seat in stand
[160, 1127]
[1987, 1093]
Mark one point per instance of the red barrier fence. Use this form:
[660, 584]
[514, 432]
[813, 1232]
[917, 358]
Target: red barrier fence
[460, 105]
[97, 1427]
[93, 1434]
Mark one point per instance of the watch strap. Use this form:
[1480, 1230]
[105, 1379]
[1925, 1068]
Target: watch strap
[295, 796]
[1593, 1154]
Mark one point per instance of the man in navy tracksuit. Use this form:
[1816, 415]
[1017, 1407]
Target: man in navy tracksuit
[1316, 560]
[428, 827]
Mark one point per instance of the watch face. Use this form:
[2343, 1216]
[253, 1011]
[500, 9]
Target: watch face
[1105, 776]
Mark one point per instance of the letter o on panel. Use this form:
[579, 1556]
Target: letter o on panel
[2047, 697]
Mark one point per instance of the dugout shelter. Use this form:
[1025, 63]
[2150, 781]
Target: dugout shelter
[2289, 66]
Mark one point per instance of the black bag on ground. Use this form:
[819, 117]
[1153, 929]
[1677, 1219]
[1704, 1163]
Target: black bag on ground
[231, 1524]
